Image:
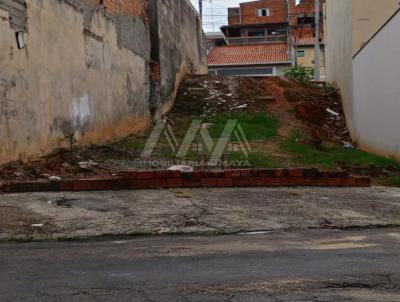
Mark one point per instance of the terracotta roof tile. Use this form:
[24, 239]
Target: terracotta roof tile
[248, 54]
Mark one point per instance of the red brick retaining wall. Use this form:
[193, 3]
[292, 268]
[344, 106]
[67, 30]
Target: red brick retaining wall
[137, 180]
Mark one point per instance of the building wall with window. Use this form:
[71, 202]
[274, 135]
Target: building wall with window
[252, 12]
[306, 57]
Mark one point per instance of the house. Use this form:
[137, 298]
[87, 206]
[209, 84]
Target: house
[267, 59]
[258, 33]
[214, 39]
[362, 47]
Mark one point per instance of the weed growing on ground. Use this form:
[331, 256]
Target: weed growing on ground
[328, 158]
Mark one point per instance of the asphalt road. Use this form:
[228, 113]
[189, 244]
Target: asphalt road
[308, 265]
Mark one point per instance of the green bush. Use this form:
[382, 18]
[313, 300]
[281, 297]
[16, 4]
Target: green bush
[300, 73]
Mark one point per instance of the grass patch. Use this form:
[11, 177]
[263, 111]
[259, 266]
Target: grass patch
[256, 126]
[131, 143]
[308, 155]
[393, 181]
[255, 159]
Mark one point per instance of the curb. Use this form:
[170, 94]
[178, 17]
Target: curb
[142, 180]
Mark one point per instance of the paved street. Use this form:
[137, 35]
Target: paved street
[311, 265]
[284, 244]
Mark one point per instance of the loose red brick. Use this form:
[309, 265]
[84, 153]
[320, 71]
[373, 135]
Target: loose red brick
[349, 182]
[256, 182]
[128, 174]
[287, 182]
[214, 174]
[192, 183]
[174, 183]
[92, 185]
[197, 174]
[247, 173]
[334, 182]
[138, 184]
[146, 174]
[303, 182]
[157, 184]
[363, 182]
[167, 174]
[225, 182]
[120, 184]
[67, 185]
[32, 186]
[296, 173]
[266, 173]
[311, 173]
[272, 182]
[241, 182]
[281, 173]
[233, 173]
[209, 182]
[319, 182]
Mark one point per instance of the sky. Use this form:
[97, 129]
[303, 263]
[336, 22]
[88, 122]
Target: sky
[215, 12]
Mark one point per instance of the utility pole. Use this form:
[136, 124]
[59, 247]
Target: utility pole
[317, 63]
[201, 9]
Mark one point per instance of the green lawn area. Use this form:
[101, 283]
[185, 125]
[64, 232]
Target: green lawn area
[306, 154]
[261, 129]
[256, 126]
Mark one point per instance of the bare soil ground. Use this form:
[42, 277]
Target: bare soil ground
[308, 120]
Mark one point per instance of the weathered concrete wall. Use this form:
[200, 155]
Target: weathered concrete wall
[377, 92]
[178, 47]
[85, 69]
[78, 73]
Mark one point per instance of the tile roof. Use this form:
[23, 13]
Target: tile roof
[249, 54]
[307, 39]
[303, 41]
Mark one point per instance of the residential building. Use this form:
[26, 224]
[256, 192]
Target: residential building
[276, 25]
[214, 39]
[362, 46]
[267, 59]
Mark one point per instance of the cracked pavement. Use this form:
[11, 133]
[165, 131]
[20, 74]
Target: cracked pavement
[284, 244]
[47, 216]
[308, 265]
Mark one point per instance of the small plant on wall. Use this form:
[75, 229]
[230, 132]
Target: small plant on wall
[300, 73]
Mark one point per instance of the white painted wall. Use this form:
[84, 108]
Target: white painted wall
[338, 51]
[376, 93]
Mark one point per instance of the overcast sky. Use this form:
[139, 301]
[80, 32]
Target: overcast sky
[215, 12]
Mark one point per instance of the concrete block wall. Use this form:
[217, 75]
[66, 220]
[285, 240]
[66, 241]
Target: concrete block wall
[17, 13]
[86, 69]
[178, 48]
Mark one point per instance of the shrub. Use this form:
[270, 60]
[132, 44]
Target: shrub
[300, 73]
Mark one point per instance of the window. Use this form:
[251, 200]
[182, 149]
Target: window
[264, 12]
[298, 2]
[301, 53]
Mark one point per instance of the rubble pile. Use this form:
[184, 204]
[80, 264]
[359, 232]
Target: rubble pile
[322, 110]
[64, 163]
[209, 96]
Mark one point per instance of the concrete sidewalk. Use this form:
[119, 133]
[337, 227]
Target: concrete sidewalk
[47, 216]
